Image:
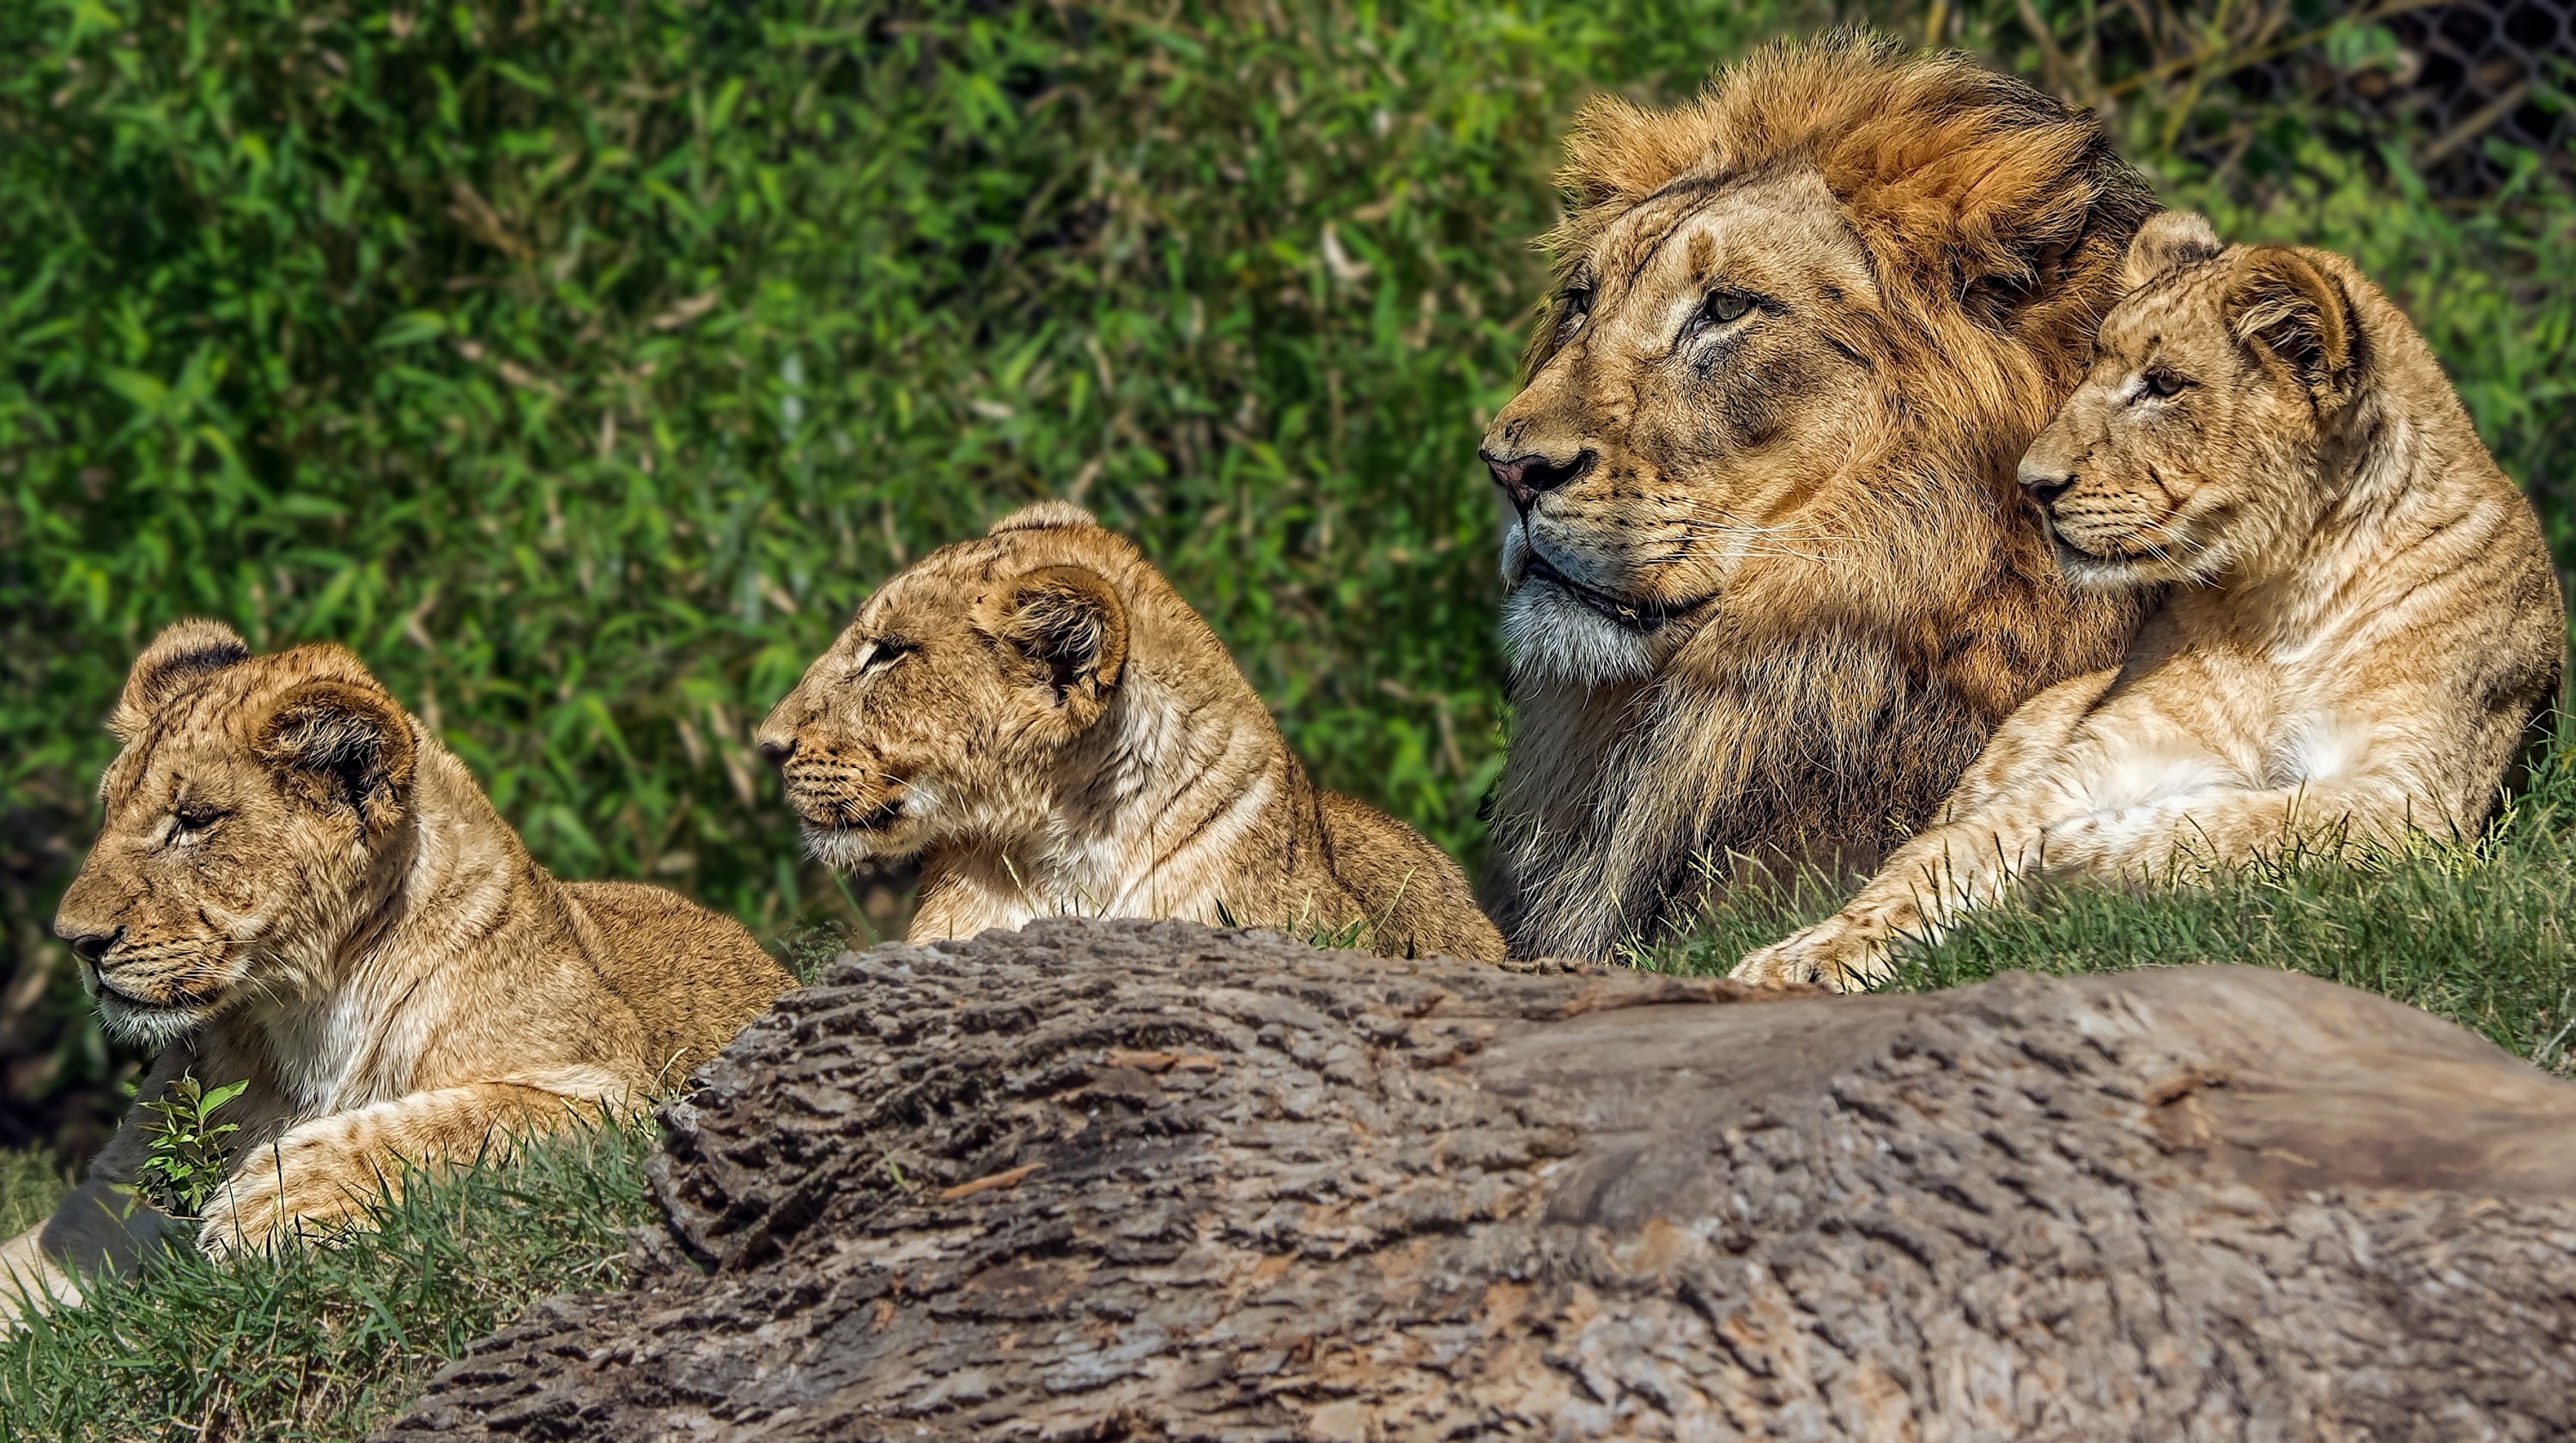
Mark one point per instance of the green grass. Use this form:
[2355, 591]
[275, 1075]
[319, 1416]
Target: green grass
[2472, 933]
[321, 1343]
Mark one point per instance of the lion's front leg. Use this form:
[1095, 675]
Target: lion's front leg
[328, 1172]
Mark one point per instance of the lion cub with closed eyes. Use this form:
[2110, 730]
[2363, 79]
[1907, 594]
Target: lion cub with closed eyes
[2362, 624]
[1054, 731]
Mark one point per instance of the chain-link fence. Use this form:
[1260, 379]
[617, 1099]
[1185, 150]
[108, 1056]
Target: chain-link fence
[2463, 73]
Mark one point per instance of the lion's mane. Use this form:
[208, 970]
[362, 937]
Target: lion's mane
[1842, 685]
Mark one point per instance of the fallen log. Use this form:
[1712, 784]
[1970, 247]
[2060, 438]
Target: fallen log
[1106, 1179]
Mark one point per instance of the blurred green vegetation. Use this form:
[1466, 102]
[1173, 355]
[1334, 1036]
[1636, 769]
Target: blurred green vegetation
[583, 365]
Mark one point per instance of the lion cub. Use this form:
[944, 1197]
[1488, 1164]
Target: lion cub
[2362, 624]
[297, 886]
[1042, 719]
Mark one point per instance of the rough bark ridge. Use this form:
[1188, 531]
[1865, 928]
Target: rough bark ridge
[1107, 1179]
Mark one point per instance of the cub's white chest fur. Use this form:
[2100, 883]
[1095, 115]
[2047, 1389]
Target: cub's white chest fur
[2166, 738]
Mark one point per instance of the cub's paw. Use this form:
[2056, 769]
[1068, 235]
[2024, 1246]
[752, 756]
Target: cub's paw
[1833, 953]
[303, 1199]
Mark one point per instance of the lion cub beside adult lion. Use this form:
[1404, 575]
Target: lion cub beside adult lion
[1040, 717]
[2364, 617]
[1769, 582]
[297, 886]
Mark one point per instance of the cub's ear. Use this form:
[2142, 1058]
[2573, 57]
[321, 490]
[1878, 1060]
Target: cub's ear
[338, 745]
[1069, 621]
[185, 653]
[2286, 307]
[1043, 516]
[2168, 241]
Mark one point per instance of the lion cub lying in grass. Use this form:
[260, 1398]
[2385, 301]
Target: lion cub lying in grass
[1042, 719]
[298, 887]
[2363, 622]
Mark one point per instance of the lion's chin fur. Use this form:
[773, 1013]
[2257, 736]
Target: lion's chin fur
[1553, 637]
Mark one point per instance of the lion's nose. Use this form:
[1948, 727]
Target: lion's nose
[775, 750]
[1525, 477]
[93, 946]
[2044, 483]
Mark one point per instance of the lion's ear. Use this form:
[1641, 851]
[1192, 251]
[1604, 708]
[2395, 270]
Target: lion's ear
[2283, 306]
[185, 653]
[2168, 241]
[2038, 212]
[1069, 622]
[337, 745]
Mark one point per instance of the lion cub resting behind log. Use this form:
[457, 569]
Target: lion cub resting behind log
[2363, 622]
[1042, 719]
[297, 886]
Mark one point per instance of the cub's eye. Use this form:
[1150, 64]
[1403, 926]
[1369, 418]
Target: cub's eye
[196, 816]
[2164, 382]
[885, 651]
[1724, 307]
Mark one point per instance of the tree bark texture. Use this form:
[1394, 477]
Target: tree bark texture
[1125, 1179]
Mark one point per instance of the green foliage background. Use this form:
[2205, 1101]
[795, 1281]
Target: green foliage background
[582, 363]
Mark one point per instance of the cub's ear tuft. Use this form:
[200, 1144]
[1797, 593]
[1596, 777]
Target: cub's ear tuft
[335, 745]
[1069, 621]
[2168, 241]
[185, 653]
[1043, 516]
[2285, 306]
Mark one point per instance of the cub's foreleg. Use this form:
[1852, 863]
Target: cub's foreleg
[1925, 886]
[1986, 827]
[326, 1171]
[2229, 828]
[1941, 875]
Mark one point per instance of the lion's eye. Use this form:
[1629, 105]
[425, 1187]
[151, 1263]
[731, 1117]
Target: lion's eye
[1724, 307]
[1577, 301]
[2166, 383]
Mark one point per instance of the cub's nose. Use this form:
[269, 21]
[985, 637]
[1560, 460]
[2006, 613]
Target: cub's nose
[93, 947]
[2044, 483]
[1525, 477]
[775, 750]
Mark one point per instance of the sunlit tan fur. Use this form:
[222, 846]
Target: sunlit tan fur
[298, 887]
[1054, 731]
[1770, 583]
[2363, 618]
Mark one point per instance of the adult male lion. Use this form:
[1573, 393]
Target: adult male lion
[1770, 581]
